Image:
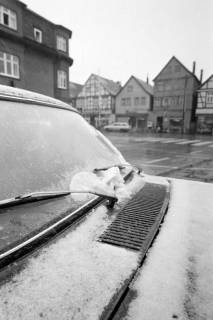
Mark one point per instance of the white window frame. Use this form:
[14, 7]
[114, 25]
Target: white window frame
[61, 43]
[12, 18]
[62, 79]
[38, 35]
[10, 63]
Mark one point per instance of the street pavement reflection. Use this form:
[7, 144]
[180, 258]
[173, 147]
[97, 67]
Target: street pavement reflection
[188, 157]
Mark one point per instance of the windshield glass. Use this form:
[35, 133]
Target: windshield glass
[42, 148]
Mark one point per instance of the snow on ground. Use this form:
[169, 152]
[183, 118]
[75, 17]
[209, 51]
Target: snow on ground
[73, 278]
[176, 281]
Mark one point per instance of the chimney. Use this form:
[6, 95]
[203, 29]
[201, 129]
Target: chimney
[194, 66]
[147, 79]
[201, 75]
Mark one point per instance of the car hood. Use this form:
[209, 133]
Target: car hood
[176, 282]
[78, 276]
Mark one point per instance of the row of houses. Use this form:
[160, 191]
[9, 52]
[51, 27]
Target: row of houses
[178, 101]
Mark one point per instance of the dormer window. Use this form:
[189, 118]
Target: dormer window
[8, 18]
[61, 43]
[37, 35]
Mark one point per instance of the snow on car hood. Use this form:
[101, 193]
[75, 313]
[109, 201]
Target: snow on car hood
[76, 276]
[176, 281]
[109, 182]
[72, 278]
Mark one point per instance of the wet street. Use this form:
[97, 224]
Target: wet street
[168, 155]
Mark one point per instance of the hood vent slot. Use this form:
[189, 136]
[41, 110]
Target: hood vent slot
[137, 223]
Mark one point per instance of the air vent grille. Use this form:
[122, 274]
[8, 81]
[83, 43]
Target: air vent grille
[137, 221]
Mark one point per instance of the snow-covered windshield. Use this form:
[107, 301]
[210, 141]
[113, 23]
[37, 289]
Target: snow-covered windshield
[42, 148]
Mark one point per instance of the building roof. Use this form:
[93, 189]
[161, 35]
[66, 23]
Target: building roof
[147, 87]
[207, 80]
[144, 85]
[187, 70]
[111, 86]
[74, 89]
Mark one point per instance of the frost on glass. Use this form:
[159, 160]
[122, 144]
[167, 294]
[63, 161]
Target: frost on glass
[43, 147]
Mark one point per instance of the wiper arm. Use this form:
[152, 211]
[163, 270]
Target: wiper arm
[32, 197]
[120, 167]
[37, 196]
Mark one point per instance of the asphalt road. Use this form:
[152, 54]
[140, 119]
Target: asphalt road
[188, 157]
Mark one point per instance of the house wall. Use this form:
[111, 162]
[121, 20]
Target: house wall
[204, 110]
[96, 104]
[175, 98]
[38, 62]
[18, 9]
[133, 105]
[38, 73]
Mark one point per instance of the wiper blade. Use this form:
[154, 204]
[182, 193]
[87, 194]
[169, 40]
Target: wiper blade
[32, 197]
[38, 196]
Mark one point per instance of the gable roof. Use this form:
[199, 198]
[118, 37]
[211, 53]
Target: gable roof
[207, 80]
[111, 86]
[187, 70]
[144, 85]
[74, 89]
[147, 87]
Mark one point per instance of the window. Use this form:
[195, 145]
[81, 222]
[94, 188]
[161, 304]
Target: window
[61, 43]
[143, 101]
[37, 35]
[136, 101]
[123, 101]
[209, 98]
[62, 79]
[128, 101]
[9, 65]
[157, 101]
[160, 85]
[165, 101]
[129, 88]
[8, 18]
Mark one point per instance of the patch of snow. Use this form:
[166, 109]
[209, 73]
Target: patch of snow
[109, 182]
[73, 278]
[88, 182]
[176, 280]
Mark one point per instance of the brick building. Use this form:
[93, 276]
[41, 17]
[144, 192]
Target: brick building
[34, 52]
[134, 103]
[175, 94]
[204, 111]
[96, 101]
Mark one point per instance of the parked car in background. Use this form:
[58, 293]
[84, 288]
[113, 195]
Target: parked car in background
[77, 222]
[118, 126]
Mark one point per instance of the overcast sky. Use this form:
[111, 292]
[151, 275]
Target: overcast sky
[120, 38]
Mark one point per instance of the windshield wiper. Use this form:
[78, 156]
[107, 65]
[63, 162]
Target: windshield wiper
[32, 197]
[38, 196]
